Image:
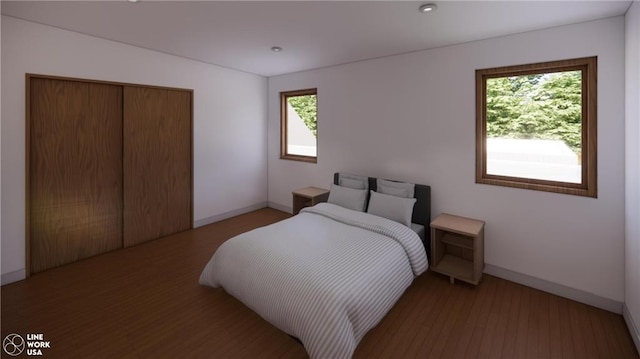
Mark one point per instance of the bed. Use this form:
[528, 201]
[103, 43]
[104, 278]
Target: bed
[327, 275]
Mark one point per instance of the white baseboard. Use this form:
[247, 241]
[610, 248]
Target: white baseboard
[280, 207]
[633, 328]
[557, 289]
[223, 216]
[13, 276]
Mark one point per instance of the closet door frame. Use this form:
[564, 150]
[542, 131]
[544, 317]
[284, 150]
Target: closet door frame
[28, 77]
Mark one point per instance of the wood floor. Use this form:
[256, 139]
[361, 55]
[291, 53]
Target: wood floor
[145, 302]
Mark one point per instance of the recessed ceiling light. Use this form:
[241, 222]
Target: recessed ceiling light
[276, 49]
[425, 8]
[133, 0]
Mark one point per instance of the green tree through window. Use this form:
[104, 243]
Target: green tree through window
[306, 108]
[539, 106]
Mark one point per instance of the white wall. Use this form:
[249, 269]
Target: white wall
[412, 117]
[230, 169]
[632, 175]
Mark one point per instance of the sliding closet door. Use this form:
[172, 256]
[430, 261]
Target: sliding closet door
[157, 163]
[75, 171]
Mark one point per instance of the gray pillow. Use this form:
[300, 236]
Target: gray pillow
[398, 189]
[395, 208]
[353, 181]
[348, 197]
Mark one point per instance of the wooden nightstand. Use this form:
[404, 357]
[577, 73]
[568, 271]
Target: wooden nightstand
[457, 247]
[308, 196]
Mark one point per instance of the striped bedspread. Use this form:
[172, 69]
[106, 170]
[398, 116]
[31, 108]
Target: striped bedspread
[325, 276]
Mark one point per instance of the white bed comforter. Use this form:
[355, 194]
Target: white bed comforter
[325, 276]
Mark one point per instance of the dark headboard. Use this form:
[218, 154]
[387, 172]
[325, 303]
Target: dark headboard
[421, 210]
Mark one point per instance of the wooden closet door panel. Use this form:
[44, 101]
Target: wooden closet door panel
[157, 163]
[180, 164]
[75, 171]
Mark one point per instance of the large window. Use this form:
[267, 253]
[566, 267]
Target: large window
[299, 125]
[536, 126]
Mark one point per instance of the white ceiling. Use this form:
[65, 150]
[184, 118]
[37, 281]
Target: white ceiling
[239, 34]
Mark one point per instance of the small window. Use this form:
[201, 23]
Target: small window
[299, 125]
[536, 126]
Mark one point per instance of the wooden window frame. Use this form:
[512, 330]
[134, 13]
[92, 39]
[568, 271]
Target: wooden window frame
[284, 154]
[588, 185]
